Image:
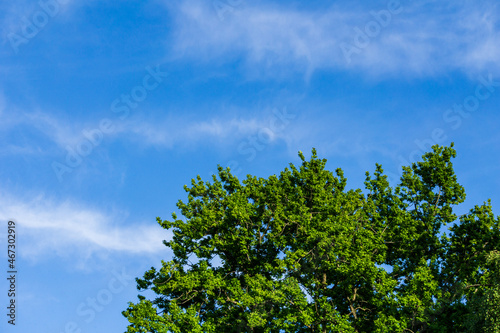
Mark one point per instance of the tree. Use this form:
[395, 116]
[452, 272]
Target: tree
[485, 303]
[299, 252]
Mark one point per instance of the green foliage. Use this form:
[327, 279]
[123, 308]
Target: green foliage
[299, 252]
[485, 302]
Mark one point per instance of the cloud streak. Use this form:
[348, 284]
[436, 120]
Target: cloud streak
[421, 40]
[168, 131]
[175, 131]
[50, 227]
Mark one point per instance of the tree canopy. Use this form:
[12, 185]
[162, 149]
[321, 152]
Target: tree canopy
[298, 252]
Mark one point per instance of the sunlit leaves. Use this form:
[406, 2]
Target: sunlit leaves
[298, 252]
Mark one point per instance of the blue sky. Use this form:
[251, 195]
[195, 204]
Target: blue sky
[107, 108]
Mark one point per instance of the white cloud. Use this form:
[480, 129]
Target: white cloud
[49, 227]
[267, 36]
[421, 40]
[174, 131]
[168, 131]
[61, 132]
[484, 41]
[36, 126]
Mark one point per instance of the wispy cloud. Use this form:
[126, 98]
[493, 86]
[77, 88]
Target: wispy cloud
[167, 131]
[224, 132]
[179, 131]
[22, 20]
[23, 131]
[58, 130]
[421, 40]
[51, 227]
